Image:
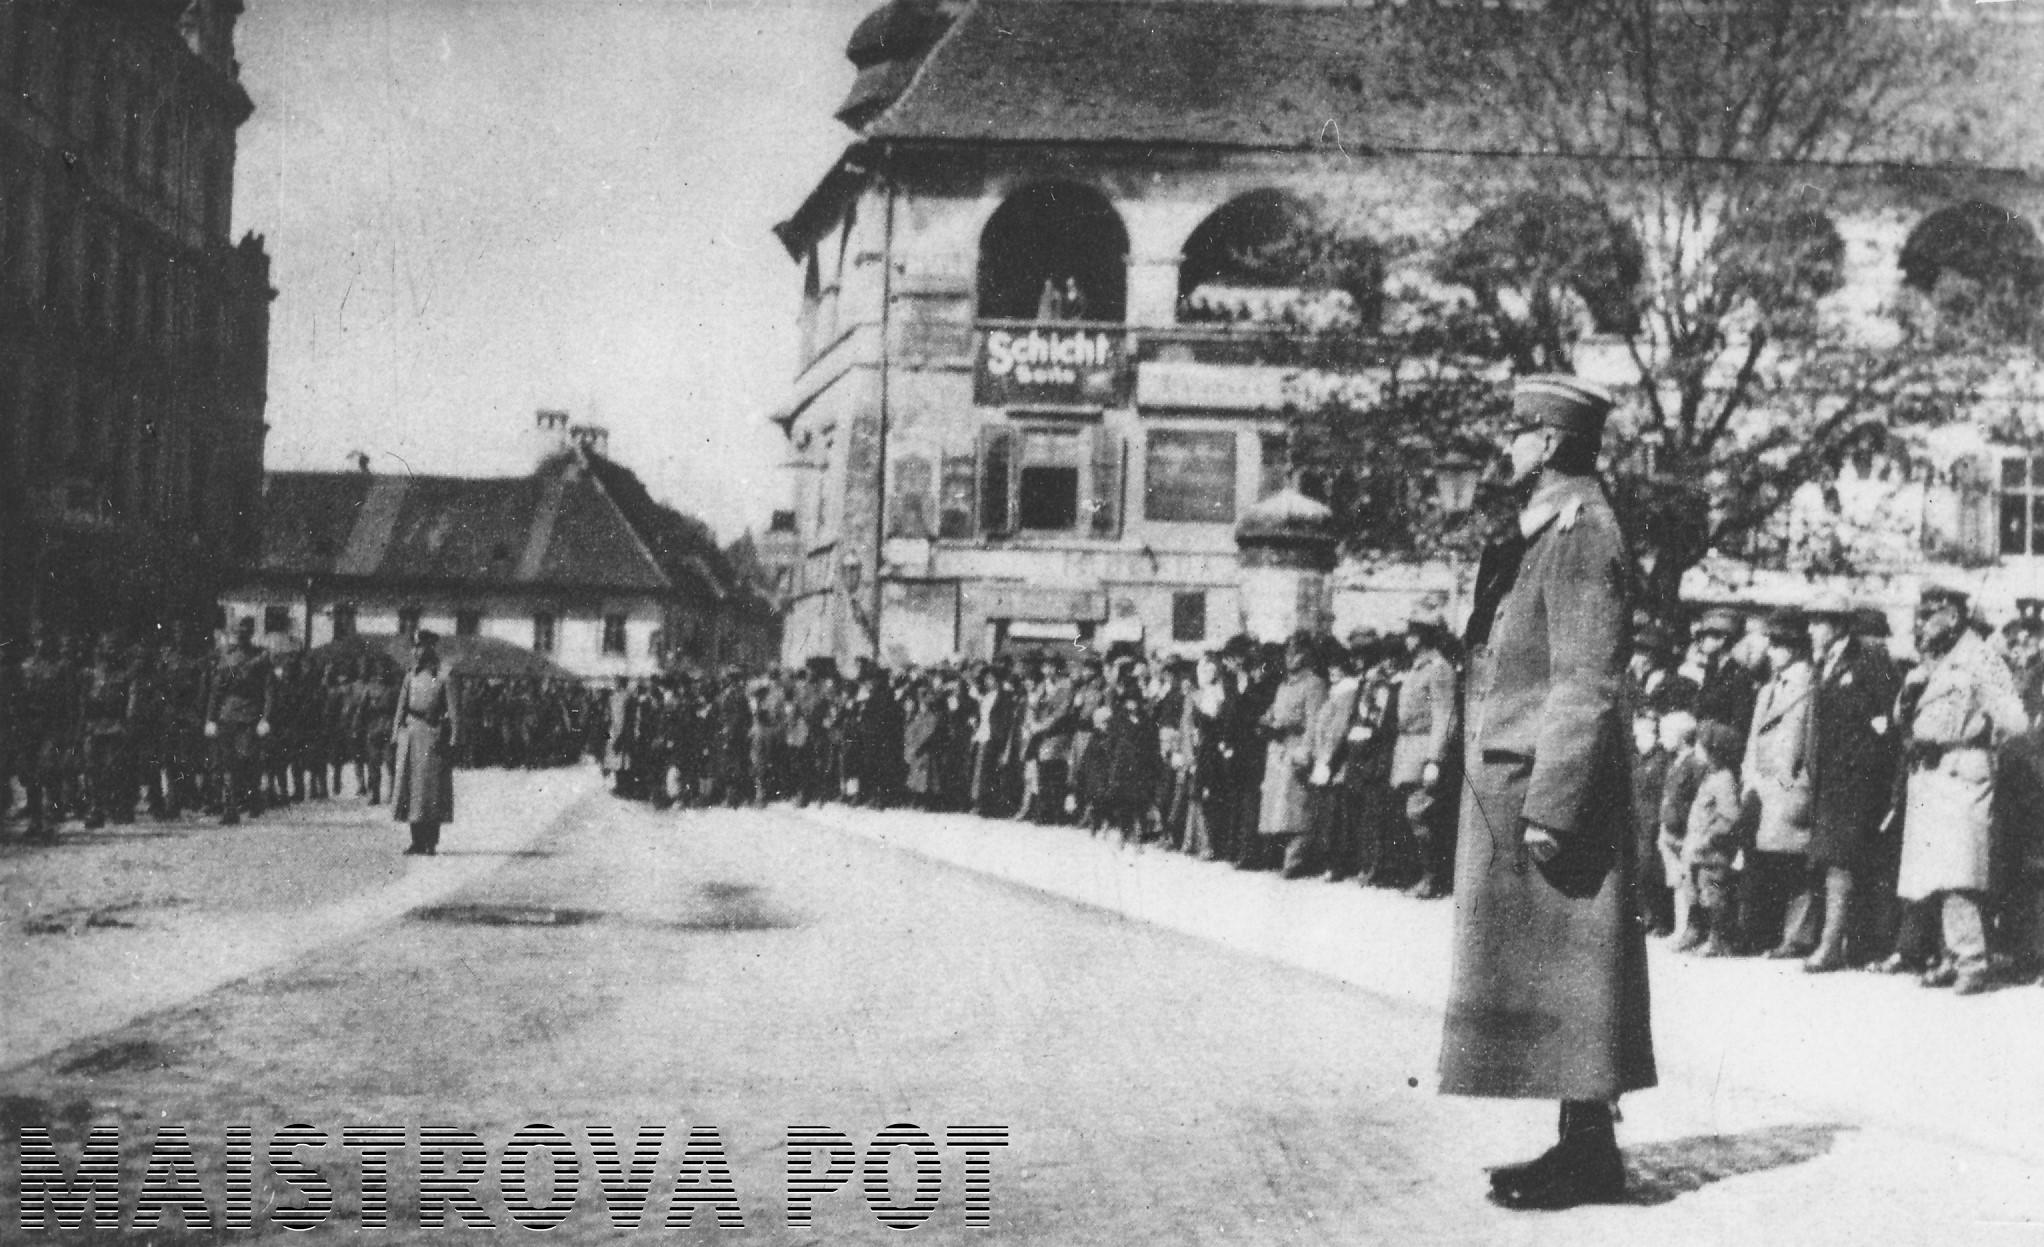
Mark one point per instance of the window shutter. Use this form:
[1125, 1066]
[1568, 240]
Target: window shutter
[956, 495]
[1108, 455]
[997, 470]
[908, 512]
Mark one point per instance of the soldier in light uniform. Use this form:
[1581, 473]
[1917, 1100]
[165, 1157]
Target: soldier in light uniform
[1956, 711]
[238, 707]
[426, 730]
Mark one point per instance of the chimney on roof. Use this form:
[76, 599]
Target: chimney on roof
[359, 460]
[549, 434]
[590, 438]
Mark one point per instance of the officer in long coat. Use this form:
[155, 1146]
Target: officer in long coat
[1288, 761]
[1963, 708]
[1548, 998]
[426, 730]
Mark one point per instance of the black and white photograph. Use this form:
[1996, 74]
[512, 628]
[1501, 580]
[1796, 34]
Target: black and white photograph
[1132, 623]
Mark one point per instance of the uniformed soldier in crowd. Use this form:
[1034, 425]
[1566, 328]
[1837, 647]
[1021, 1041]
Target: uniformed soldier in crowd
[44, 731]
[108, 711]
[238, 706]
[1964, 707]
[1424, 762]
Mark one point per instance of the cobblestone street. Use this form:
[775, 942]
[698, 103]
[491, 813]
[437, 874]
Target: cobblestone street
[1179, 1053]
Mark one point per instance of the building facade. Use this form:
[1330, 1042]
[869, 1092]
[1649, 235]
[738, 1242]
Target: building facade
[573, 562]
[133, 331]
[1043, 374]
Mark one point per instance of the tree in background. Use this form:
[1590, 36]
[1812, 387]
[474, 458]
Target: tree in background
[1681, 230]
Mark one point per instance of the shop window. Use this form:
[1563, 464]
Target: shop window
[344, 620]
[407, 621]
[276, 620]
[1189, 477]
[1189, 616]
[1047, 481]
[468, 622]
[614, 635]
[543, 633]
[1055, 251]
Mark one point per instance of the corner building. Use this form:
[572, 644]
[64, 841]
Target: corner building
[133, 331]
[1042, 375]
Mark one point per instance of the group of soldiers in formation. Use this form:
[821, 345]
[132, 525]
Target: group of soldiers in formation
[1798, 791]
[99, 729]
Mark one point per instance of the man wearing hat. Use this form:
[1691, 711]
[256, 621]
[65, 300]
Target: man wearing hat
[425, 733]
[1955, 710]
[1549, 994]
[1725, 689]
[1851, 767]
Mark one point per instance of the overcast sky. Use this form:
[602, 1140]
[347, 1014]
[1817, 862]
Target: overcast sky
[481, 207]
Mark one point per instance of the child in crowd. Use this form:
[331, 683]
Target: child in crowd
[1686, 768]
[1712, 838]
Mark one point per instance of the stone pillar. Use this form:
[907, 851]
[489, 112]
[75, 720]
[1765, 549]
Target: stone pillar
[1153, 290]
[1288, 545]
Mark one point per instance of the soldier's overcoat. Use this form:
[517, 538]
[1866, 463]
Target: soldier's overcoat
[424, 731]
[1548, 998]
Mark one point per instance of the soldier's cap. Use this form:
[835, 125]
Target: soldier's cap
[1652, 637]
[1359, 637]
[1238, 646]
[1565, 403]
[1831, 606]
[1935, 595]
[425, 636]
[1427, 623]
[1720, 620]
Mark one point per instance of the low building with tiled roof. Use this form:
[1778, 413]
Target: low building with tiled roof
[574, 561]
[1047, 360]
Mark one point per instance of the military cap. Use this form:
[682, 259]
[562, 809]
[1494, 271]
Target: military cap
[1238, 646]
[1721, 620]
[1556, 401]
[1359, 637]
[1652, 637]
[1427, 621]
[1943, 595]
[425, 636]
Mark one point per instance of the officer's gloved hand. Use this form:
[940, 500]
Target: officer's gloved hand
[212, 730]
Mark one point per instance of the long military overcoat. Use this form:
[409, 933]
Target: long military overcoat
[1548, 998]
[1969, 704]
[1852, 751]
[425, 730]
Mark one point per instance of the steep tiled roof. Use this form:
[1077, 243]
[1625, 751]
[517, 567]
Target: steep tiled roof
[1292, 77]
[557, 527]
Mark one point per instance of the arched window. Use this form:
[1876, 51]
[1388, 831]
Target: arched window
[1265, 256]
[1055, 251]
[1542, 256]
[1980, 258]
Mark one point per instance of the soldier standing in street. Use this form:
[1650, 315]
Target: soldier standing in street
[1962, 707]
[45, 730]
[370, 723]
[1548, 999]
[109, 709]
[238, 707]
[426, 729]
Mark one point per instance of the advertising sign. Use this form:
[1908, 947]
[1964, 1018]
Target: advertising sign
[1049, 364]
